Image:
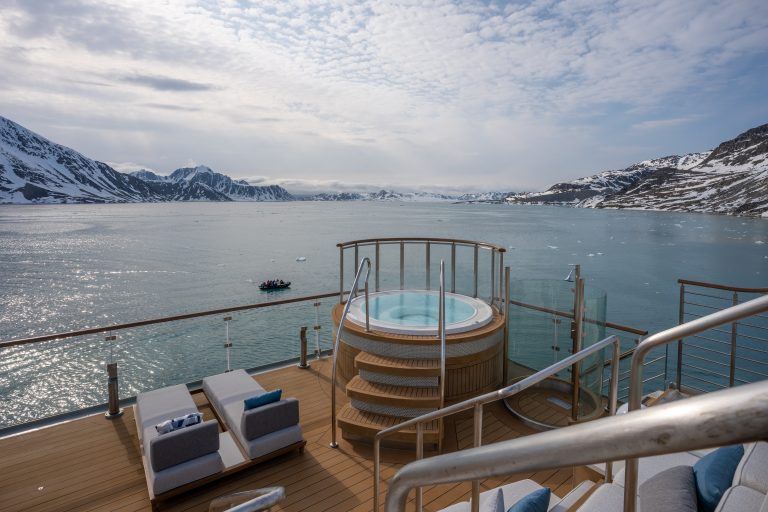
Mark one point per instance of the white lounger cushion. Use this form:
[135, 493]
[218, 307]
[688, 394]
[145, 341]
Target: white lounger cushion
[232, 386]
[752, 470]
[650, 466]
[607, 498]
[740, 499]
[227, 392]
[163, 404]
[185, 473]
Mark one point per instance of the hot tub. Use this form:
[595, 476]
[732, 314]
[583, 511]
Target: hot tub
[416, 312]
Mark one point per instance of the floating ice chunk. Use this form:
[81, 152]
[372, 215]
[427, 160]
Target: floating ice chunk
[759, 242]
[301, 258]
[599, 254]
[552, 246]
[591, 254]
[678, 225]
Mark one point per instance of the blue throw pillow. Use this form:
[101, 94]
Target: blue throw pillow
[714, 475]
[263, 399]
[537, 501]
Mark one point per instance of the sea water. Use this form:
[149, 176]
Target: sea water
[71, 267]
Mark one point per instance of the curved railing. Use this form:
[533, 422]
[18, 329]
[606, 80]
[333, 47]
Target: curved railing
[496, 264]
[352, 293]
[477, 403]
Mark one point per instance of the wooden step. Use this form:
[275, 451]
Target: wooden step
[397, 366]
[385, 394]
[365, 425]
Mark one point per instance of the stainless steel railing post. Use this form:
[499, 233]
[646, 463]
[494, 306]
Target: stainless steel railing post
[680, 321]
[376, 472]
[493, 277]
[341, 274]
[113, 389]
[476, 269]
[419, 456]
[377, 266]
[428, 267]
[613, 397]
[732, 362]
[477, 442]
[504, 307]
[303, 348]
[453, 267]
[402, 265]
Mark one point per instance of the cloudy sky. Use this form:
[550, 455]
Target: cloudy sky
[437, 95]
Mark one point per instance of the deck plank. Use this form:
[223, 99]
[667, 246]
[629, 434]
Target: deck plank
[92, 464]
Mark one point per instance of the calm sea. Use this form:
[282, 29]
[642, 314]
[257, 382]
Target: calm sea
[69, 267]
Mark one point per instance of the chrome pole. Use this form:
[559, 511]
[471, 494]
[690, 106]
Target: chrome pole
[501, 276]
[476, 271]
[341, 274]
[114, 410]
[505, 369]
[478, 441]
[732, 372]
[453, 267]
[680, 321]
[303, 348]
[376, 472]
[493, 276]
[578, 316]
[429, 277]
[419, 456]
[228, 343]
[402, 265]
[613, 397]
[377, 265]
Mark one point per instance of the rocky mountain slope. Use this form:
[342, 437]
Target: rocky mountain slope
[201, 183]
[35, 170]
[382, 195]
[731, 179]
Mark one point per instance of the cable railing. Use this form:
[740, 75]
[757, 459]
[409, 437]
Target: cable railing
[737, 415]
[720, 357]
[496, 266]
[364, 263]
[65, 371]
[753, 308]
[477, 403]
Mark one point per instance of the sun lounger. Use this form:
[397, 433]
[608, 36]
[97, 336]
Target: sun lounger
[261, 432]
[176, 458]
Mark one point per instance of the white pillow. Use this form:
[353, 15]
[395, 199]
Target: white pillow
[179, 422]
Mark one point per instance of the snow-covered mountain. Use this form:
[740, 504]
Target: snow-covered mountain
[201, 183]
[382, 195]
[35, 170]
[731, 179]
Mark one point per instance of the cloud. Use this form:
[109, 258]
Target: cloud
[513, 95]
[663, 123]
[163, 83]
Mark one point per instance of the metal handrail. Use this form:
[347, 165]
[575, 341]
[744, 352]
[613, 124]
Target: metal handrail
[726, 316]
[722, 286]
[175, 318]
[428, 242]
[269, 497]
[735, 415]
[352, 293]
[569, 314]
[478, 402]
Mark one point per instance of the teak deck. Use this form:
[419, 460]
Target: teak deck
[95, 464]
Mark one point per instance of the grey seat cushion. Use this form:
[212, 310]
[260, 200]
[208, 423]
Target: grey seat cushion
[269, 418]
[650, 466]
[606, 498]
[672, 490]
[183, 445]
